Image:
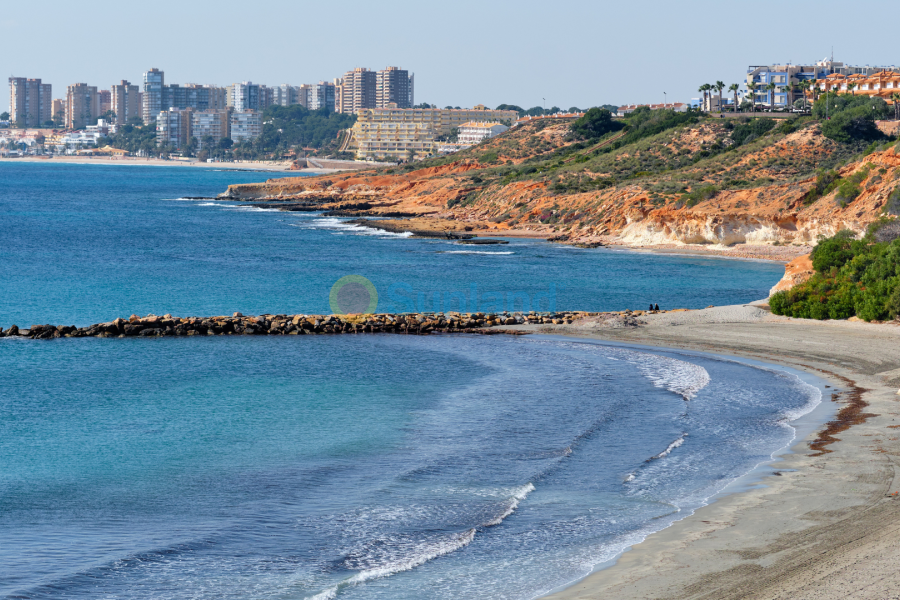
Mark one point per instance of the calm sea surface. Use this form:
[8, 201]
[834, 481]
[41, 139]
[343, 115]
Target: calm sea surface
[396, 467]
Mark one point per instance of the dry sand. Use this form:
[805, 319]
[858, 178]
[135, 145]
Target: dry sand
[827, 527]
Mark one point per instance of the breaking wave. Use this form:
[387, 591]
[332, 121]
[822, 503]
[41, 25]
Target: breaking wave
[419, 556]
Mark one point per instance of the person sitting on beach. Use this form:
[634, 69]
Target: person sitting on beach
[657, 307]
[651, 306]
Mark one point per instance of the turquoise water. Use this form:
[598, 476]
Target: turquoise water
[355, 467]
[83, 244]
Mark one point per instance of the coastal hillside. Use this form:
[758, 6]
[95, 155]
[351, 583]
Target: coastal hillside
[661, 178]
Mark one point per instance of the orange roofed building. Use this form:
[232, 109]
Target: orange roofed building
[882, 84]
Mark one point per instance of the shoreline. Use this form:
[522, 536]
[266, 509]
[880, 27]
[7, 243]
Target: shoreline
[809, 530]
[155, 162]
[429, 227]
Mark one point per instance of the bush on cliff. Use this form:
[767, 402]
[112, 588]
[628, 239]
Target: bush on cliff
[853, 277]
[595, 123]
[851, 118]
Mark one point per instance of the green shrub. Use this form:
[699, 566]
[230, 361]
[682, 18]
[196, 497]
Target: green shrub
[595, 123]
[833, 252]
[744, 133]
[853, 277]
[826, 181]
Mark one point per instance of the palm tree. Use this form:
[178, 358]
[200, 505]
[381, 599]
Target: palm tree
[719, 87]
[770, 88]
[733, 88]
[703, 89]
[751, 86]
[896, 98]
[788, 93]
[850, 87]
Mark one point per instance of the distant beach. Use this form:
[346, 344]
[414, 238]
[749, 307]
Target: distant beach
[283, 166]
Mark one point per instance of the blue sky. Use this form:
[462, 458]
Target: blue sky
[463, 53]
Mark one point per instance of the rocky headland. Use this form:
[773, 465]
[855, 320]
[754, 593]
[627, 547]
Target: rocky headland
[677, 190]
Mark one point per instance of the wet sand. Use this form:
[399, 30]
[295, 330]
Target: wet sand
[827, 527]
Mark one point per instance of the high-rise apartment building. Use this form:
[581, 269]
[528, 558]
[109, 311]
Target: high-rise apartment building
[357, 90]
[82, 105]
[243, 96]
[213, 123]
[173, 127]
[321, 95]
[245, 125]
[286, 95]
[394, 88]
[29, 102]
[192, 95]
[58, 111]
[154, 82]
[105, 101]
[125, 102]
[266, 97]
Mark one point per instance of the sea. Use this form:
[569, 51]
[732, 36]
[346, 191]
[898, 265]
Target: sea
[349, 467]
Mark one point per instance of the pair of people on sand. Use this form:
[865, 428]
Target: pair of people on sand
[656, 308]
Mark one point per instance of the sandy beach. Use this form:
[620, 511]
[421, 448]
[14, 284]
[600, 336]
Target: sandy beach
[828, 525]
[284, 166]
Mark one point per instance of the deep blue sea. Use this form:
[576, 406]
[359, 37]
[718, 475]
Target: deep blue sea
[350, 467]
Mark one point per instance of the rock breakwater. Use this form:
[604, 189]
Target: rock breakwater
[238, 324]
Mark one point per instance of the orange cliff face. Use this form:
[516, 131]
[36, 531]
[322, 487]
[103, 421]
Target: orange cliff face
[796, 272]
[478, 190]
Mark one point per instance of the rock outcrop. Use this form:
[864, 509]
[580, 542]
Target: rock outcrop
[796, 272]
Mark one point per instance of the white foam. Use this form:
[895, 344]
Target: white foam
[425, 554]
[473, 252]
[679, 376]
[669, 448]
[341, 227]
[519, 494]
[211, 204]
[250, 208]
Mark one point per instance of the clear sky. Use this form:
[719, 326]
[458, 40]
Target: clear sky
[463, 52]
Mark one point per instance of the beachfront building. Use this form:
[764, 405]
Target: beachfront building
[154, 82]
[125, 102]
[475, 132]
[785, 77]
[29, 102]
[82, 105]
[245, 125]
[395, 133]
[206, 124]
[394, 88]
[173, 127]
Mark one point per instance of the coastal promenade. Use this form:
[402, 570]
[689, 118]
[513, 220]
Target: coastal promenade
[826, 526]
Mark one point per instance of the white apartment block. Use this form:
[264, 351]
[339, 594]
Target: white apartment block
[378, 132]
[210, 123]
[474, 132]
[173, 127]
[245, 125]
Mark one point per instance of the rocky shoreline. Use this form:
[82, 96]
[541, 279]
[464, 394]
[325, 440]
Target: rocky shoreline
[238, 324]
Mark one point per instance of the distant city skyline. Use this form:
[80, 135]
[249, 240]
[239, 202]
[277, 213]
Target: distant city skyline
[531, 54]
